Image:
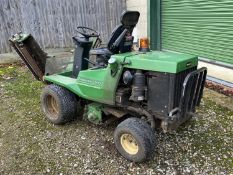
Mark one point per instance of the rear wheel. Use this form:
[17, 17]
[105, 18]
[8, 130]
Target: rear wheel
[58, 104]
[135, 140]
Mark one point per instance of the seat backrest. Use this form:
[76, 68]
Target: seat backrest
[129, 19]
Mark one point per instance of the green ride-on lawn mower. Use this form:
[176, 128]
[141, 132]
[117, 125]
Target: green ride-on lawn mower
[143, 88]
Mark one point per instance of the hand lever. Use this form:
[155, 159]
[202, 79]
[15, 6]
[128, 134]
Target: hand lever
[92, 62]
[119, 39]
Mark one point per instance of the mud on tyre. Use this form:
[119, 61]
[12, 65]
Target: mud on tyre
[58, 104]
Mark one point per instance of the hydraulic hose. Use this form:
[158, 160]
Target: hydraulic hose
[145, 113]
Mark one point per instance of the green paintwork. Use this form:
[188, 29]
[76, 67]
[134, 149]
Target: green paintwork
[96, 85]
[159, 61]
[113, 66]
[100, 85]
[94, 113]
[199, 27]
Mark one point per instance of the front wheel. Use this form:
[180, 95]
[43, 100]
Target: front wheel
[135, 140]
[58, 104]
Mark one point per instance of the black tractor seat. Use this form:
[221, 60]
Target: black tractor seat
[121, 39]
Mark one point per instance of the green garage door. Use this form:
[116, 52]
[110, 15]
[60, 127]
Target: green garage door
[200, 27]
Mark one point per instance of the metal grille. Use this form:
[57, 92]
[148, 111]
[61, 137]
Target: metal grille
[179, 80]
[192, 91]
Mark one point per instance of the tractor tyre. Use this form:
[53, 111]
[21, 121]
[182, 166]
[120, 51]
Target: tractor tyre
[135, 140]
[58, 104]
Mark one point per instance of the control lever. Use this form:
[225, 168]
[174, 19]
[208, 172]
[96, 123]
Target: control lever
[119, 39]
[92, 62]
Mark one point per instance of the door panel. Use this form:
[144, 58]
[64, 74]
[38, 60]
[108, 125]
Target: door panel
[203, 28]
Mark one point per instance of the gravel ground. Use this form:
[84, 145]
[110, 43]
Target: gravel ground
[31, 145]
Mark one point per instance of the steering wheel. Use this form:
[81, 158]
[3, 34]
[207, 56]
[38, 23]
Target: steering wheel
[87, 32]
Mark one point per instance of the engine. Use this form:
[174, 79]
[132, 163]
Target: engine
[158, 92]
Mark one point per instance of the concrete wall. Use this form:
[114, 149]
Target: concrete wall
[141, 6]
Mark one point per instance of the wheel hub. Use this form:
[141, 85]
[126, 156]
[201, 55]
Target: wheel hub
[129, 144]
[52, 105]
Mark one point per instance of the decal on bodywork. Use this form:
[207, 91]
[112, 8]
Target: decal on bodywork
[90, 82]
